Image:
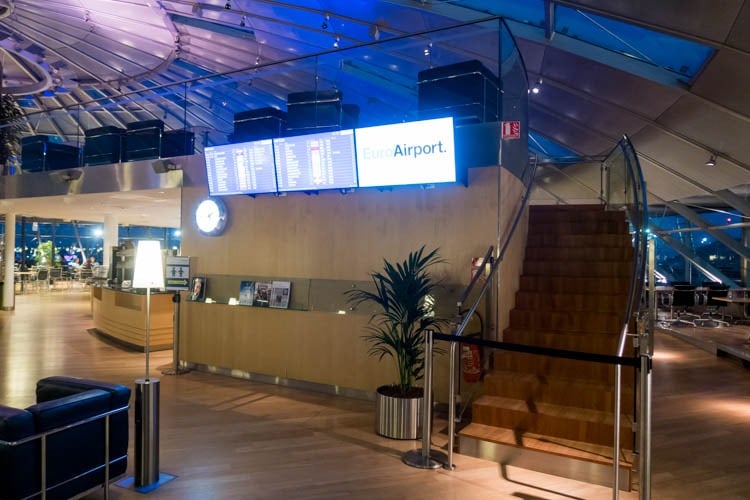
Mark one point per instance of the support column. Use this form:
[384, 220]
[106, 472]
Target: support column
[745, 263]
[9, 259]
[111, 238]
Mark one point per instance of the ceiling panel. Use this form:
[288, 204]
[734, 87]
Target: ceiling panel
[725, 81]
[608, 120]
[708, 125]
[629, 91]
[581, 139]
[711, 20]
[740, 35]
[687, 160]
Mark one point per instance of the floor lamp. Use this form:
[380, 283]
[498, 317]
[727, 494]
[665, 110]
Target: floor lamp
[148, 274]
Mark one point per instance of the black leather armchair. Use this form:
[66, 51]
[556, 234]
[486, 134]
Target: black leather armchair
[69, 421]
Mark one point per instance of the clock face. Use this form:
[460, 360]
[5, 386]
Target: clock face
[211, 217]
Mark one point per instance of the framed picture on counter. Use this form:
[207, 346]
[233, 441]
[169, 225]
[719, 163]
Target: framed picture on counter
[198, 289]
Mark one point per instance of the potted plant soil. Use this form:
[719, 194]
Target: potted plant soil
[404, 310]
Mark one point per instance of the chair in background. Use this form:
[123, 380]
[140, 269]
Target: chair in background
[42, 279]
[714, 307]
[58, 278]
[84, 276]
[683, 297]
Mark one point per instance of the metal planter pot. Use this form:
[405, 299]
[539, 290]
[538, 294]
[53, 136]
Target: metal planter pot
[398, 418]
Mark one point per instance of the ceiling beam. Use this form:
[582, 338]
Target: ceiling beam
[693, 216]
[647, 120]
[737, 202]
[706, 268]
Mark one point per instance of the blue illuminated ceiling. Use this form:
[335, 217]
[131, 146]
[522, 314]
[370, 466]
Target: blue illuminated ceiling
[659, 72]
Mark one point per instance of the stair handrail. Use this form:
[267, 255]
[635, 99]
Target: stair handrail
[637, 213]
[464, 316]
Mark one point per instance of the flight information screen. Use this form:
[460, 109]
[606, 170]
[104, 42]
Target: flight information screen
[243, 168]
[316, 161]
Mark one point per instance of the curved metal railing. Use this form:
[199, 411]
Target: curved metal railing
[464, 316]
[625, 188]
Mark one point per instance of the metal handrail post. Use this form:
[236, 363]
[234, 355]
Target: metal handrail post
[106, 457]
[424, 458]
[616, 450]
[43, 481]
[644, 423]
[451, 405]
[427, 397]
[645, 428]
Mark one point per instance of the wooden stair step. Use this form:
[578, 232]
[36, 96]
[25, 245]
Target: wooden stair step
[575, 227]
[557, 367]
[565, 321]
[579, 302]
[581, 268]
[579, 424]
[574, 284]
[539, 214]
[553, 240]
[580, 393]
[562, 447]
[595, 342]
[580, 253]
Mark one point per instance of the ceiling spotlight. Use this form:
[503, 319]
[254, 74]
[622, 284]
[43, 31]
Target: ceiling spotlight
[324, 24]
[257, 60]
[242, 22]
[428, 49]
[537, 87]
[711, 161]
[336, 42]
[228, 5]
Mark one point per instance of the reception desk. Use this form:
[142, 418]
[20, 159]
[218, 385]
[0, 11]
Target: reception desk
[120, 314]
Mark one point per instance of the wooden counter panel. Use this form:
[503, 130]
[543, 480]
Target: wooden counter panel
[317, 347]
[122, 316]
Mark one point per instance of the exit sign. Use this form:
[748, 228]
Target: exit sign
[511, 130]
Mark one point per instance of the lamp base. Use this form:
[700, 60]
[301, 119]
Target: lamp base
[146, 431]
[129, 483]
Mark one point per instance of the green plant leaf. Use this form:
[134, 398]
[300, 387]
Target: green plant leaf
[403, 314]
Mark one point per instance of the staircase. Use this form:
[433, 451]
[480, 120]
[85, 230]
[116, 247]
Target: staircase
[556, 415]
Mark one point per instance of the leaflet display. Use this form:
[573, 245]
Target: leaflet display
[316, 161]
[244, 168]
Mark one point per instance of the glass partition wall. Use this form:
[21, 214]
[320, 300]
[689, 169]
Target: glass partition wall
[378, 83]
[372, 83]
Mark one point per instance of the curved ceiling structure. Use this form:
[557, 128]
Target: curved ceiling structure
[672, 75]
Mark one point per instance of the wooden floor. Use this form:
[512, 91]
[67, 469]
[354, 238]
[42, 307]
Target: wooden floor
[230, 438]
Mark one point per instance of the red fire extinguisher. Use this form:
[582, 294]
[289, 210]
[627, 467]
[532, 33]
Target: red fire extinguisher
[471, 363]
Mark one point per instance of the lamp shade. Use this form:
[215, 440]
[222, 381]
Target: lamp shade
[149, 271]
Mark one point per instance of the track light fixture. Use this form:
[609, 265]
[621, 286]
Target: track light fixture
[336, 43]
[711, 162]
[242, 22]
[228, 5]
[324, 24]
[536, 87]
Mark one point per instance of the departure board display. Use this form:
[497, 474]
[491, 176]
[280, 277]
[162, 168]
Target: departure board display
[243, 168]
[316, 161]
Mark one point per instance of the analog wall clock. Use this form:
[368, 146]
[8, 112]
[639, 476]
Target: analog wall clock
[211, 216]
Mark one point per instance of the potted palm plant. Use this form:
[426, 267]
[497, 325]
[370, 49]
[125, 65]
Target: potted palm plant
[403, 303]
